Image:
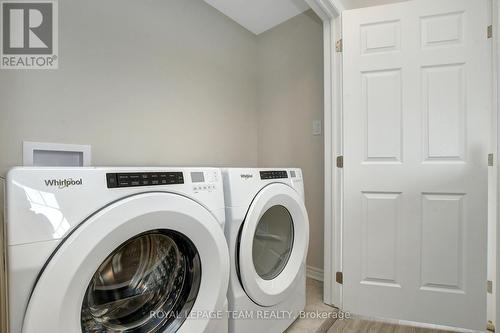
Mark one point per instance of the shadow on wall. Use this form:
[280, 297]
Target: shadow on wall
[290, 97]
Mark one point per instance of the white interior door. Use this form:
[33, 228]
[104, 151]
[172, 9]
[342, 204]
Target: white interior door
[417, 103]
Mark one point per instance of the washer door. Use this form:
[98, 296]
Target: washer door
[273, 244]
[142, 264]
[158, 272]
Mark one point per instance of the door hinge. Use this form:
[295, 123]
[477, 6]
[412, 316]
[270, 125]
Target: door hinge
[340, 162]
[339, 278]
[489, 287]
[339, 46]
[490, 31]
[491, 159]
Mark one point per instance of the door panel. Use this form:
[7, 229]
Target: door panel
[417, 103]
[380, 220]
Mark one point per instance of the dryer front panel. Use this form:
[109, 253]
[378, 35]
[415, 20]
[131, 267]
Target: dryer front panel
[143, 264]
[273, 244]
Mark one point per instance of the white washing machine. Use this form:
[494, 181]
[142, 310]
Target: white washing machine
[267, 229]
[116, 250]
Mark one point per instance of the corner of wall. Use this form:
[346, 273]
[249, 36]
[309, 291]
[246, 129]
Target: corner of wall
[3, 261]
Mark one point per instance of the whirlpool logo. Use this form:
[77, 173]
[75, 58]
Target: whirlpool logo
[63, 183]
[246, 176]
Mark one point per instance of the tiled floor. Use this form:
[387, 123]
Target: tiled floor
[314, 303]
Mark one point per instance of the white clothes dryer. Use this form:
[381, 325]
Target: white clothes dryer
[267, 229]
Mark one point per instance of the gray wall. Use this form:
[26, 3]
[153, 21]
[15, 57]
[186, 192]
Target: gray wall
[174, 82]
[150, 82]
[3, 312]
[290, 97]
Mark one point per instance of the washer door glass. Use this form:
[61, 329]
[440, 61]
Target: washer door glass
[273, 242]
[148, 284]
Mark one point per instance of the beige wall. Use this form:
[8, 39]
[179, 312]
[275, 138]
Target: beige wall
[174, 82]
[3, 299]
[151, 82]
[290, 97]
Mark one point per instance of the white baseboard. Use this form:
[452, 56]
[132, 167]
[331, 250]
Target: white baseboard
[315, 273]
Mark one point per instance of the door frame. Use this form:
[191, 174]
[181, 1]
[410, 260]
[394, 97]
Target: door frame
[330, 12]
[496, 102]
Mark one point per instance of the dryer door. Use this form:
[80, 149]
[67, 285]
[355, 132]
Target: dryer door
[273, 244]
[142, 264]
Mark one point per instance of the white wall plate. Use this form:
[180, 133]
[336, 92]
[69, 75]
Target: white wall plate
[55, 154]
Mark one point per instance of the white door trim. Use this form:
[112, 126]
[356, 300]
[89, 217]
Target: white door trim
[494, 301]
[496, 96]
[329, 11]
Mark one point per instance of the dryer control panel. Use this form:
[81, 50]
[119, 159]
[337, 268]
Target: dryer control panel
[115, 180]
[273, 174]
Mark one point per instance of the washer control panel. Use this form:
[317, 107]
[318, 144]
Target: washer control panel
[115, 180]
[273, 174]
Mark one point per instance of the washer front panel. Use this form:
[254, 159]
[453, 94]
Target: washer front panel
[66, 278]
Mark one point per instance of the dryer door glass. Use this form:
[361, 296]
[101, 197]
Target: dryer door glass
[273, 242]
[148, 284]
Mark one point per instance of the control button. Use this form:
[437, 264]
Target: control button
[111, 180]
[123, 180]
[122, 177]
[134, 177]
